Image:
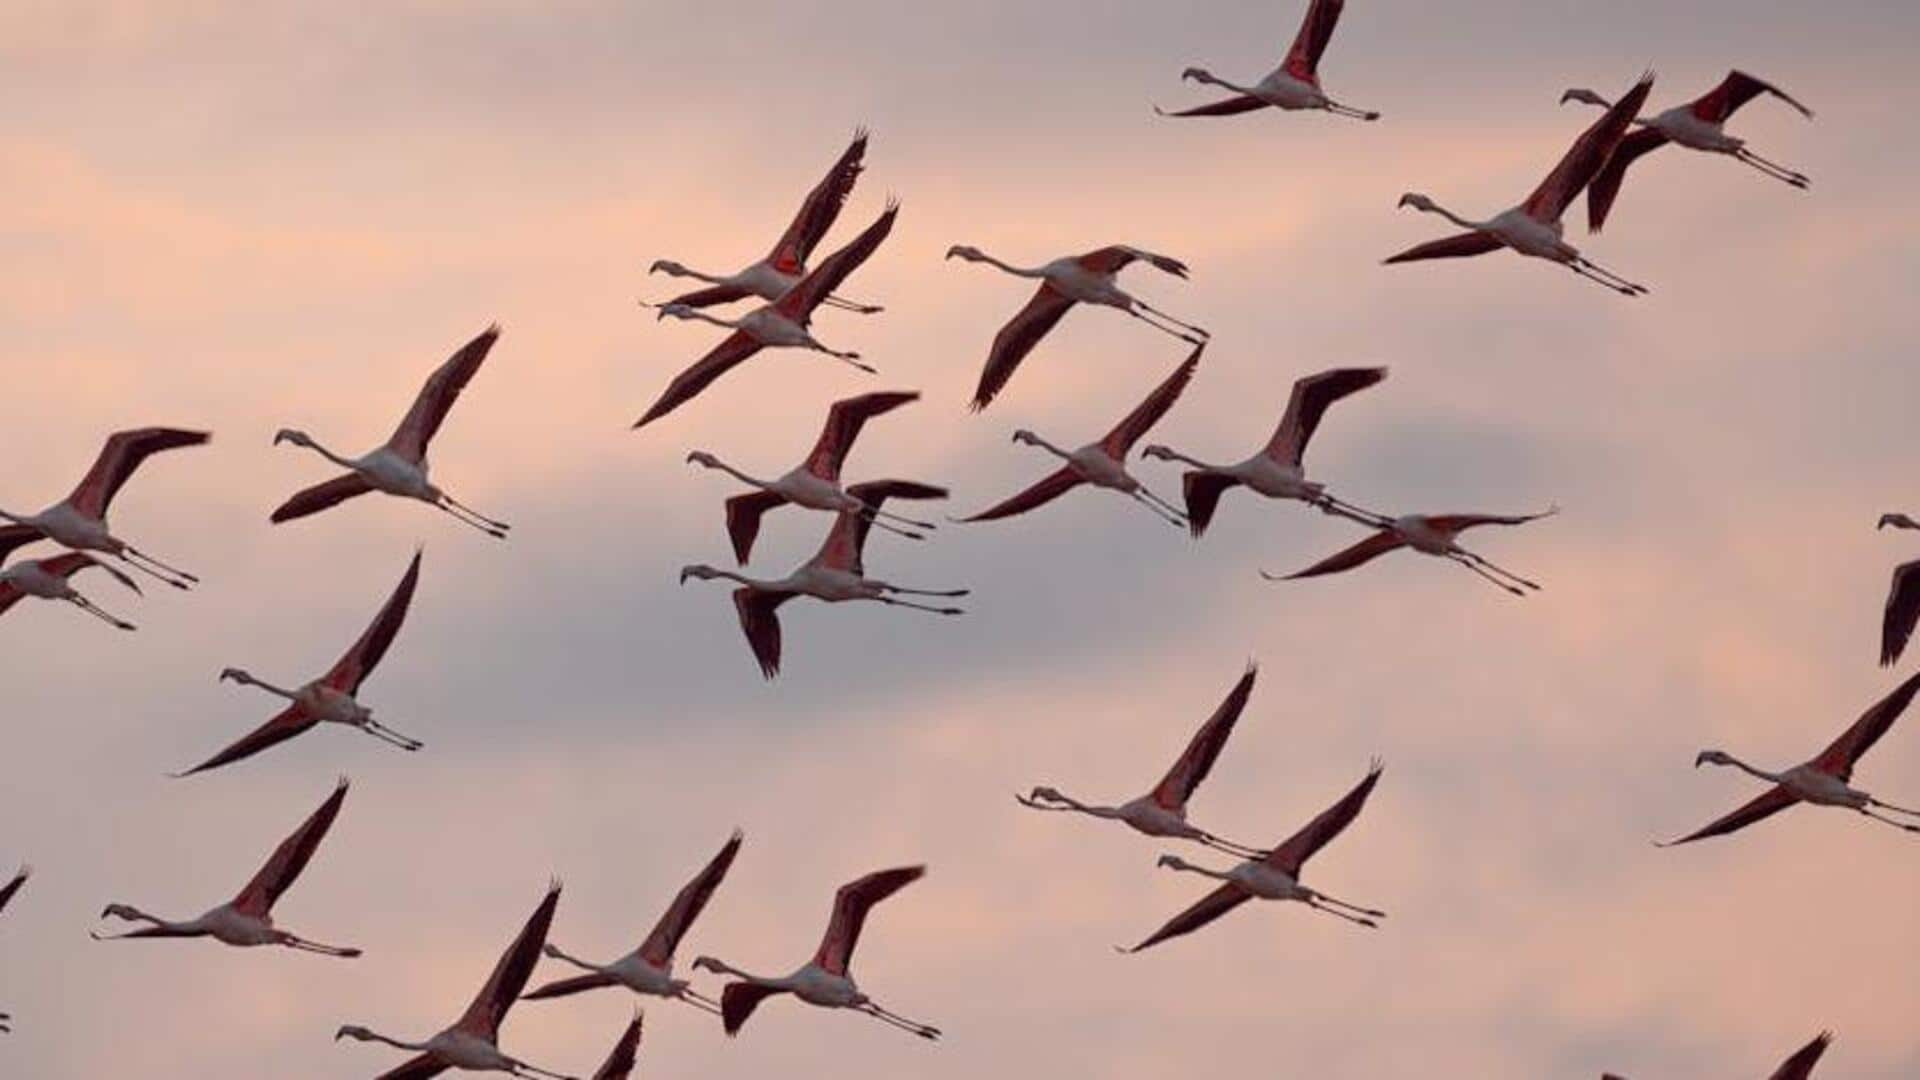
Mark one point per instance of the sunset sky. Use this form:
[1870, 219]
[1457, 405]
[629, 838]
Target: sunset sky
[243, 216]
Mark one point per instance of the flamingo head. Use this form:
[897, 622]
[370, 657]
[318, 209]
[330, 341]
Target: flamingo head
[1712, 757]
[708, 963]
[1045, 794]
[668, 265]
[1196, 74]
[698, 570]
[1417, 201]
[965, 251]
[292, 435]
[1171, 862]
[120, 911]
[701, 457]
[1156, 450]
[1587, 96]
[353, 1031]
[1899, 521]
[1025, 436]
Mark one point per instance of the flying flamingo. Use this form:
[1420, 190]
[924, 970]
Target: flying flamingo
[473, 1042]
[1903, 599]
[1163, 811]
[619, 1063]
[331, 697]
[771, 277]
[1275, 876]
[815, 482]
[247, 919]
[783, 323]
[1534, 227]
[649, 969]
[1103, 464]
[1429, 534]
[48, 580]
[835, 574]
[80, 520]
[1697, 125]
[1064, 282]
[827, 979]
[1798, 1067]
[1275, 471]
[399, 466]
[1292, 86]
[7, 891]
[1823, 781]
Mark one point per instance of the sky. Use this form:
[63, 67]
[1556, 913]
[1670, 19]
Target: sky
[246, 216]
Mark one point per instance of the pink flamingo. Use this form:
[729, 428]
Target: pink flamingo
[1275, 875]
[1276, 471]
[48, 579]
[1163, 811]
[827, 979]
[1697, 125]
[1824, 781]
[399, 466]
[1103, 464]
[1064, 282]
[1533, 228]
[784, 323]
[80, 520]
[786, 264]
[331, 697]
[247, 919]
[1292, 86]
[649, 969]
[815, 482]
[837, 573]
[1429, 534]
[473, 1042]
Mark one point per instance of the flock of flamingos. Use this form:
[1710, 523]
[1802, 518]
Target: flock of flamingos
[792, 292]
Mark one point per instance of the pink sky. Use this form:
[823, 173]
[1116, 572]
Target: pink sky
[248, 216]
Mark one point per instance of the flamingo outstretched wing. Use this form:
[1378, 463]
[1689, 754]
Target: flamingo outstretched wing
[1048, 488]
[1201, 490]
[1800, 1065]
[739, 999]
[846, 544]
[1119, 442]
[1841, 755]
[415, 1068]
[1233, 106]
[688, 903]
[1738, 88]
[1460, 246]
[13, 885]
[850, 906]
[1760, 807]
[291, 721]
[1303, 59]
[1017, 338]
[743, 519]
[1587, 156]
[509, 977]
[1196, 761]
[760, 621]
[122, 454]
[1308, 402]
[821, 208]
[620, 1062]
[808, 293]
[1606, 184]
[1301, 846]
[1902, 612]
[1116, 257]
[353, 668]
[1357, 554]
[710, 296]
[844, 421]
[436, 398]
[284, 866]
[1205, 910]
[732, 351]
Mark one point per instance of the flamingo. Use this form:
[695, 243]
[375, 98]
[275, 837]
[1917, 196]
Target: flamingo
[1697, 125]
[1163, 811]
[786, 264]
[1429, 534]
[331, 697]
[473, 1042]
[835, 574]
[80, 520]
[1903, 599]
[648, 969]
[1533, 228]
[783, 323]
[827, 979]
[1798, 1067]
[1103, 463]
[1276, 471]
[1064, 282]
[48, 580]
[1823, 781]
[1292, 86]
[399, 466]
[1276, 875]
[815, 482]
[619, 1063]
[247, 919]
[7, 892]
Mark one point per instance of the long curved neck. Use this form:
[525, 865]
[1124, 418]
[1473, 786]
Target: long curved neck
[1016, 271]
[677, 270]
[1455, 218]
[1758, 774]
[343, 462]
[1049, 447]
[1218, 875]
[1068, 802]
[556, 952]
[398, 1044]
[1209, 77]
[704, 317]
[725, 968]
[716, 463]
[1175, 455]
[751, 583]
[245, 679]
